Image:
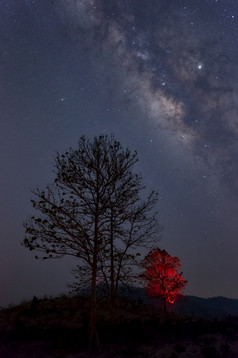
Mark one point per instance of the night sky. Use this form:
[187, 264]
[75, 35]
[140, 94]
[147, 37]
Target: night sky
[162, 76]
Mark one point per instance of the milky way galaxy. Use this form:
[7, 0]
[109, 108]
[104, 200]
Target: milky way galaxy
[178, 62]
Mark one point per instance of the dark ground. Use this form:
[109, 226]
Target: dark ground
[58, 328]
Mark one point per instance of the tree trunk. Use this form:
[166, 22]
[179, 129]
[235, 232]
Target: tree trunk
[93, 334]
[112, 307]
[165, 304]
[112, 278]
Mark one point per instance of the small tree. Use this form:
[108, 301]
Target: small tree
[161, 276]
[94, 201]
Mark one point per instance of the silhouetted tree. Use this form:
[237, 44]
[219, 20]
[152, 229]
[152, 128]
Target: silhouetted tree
[132, 226]
[161, 276]
[93, 211]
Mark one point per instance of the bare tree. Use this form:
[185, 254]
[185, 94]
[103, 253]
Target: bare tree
[133, 227]
[93, 211]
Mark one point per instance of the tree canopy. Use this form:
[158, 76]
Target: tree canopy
[161, 276]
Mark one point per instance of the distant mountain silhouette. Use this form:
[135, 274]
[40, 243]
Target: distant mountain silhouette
[219, 307]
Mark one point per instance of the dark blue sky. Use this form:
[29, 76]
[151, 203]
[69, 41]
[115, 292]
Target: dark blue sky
[162, 76]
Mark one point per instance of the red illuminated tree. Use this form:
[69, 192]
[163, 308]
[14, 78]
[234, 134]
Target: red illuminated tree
[161, 276]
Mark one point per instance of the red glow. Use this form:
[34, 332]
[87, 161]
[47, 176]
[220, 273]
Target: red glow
[171, 301]
[161, 276]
